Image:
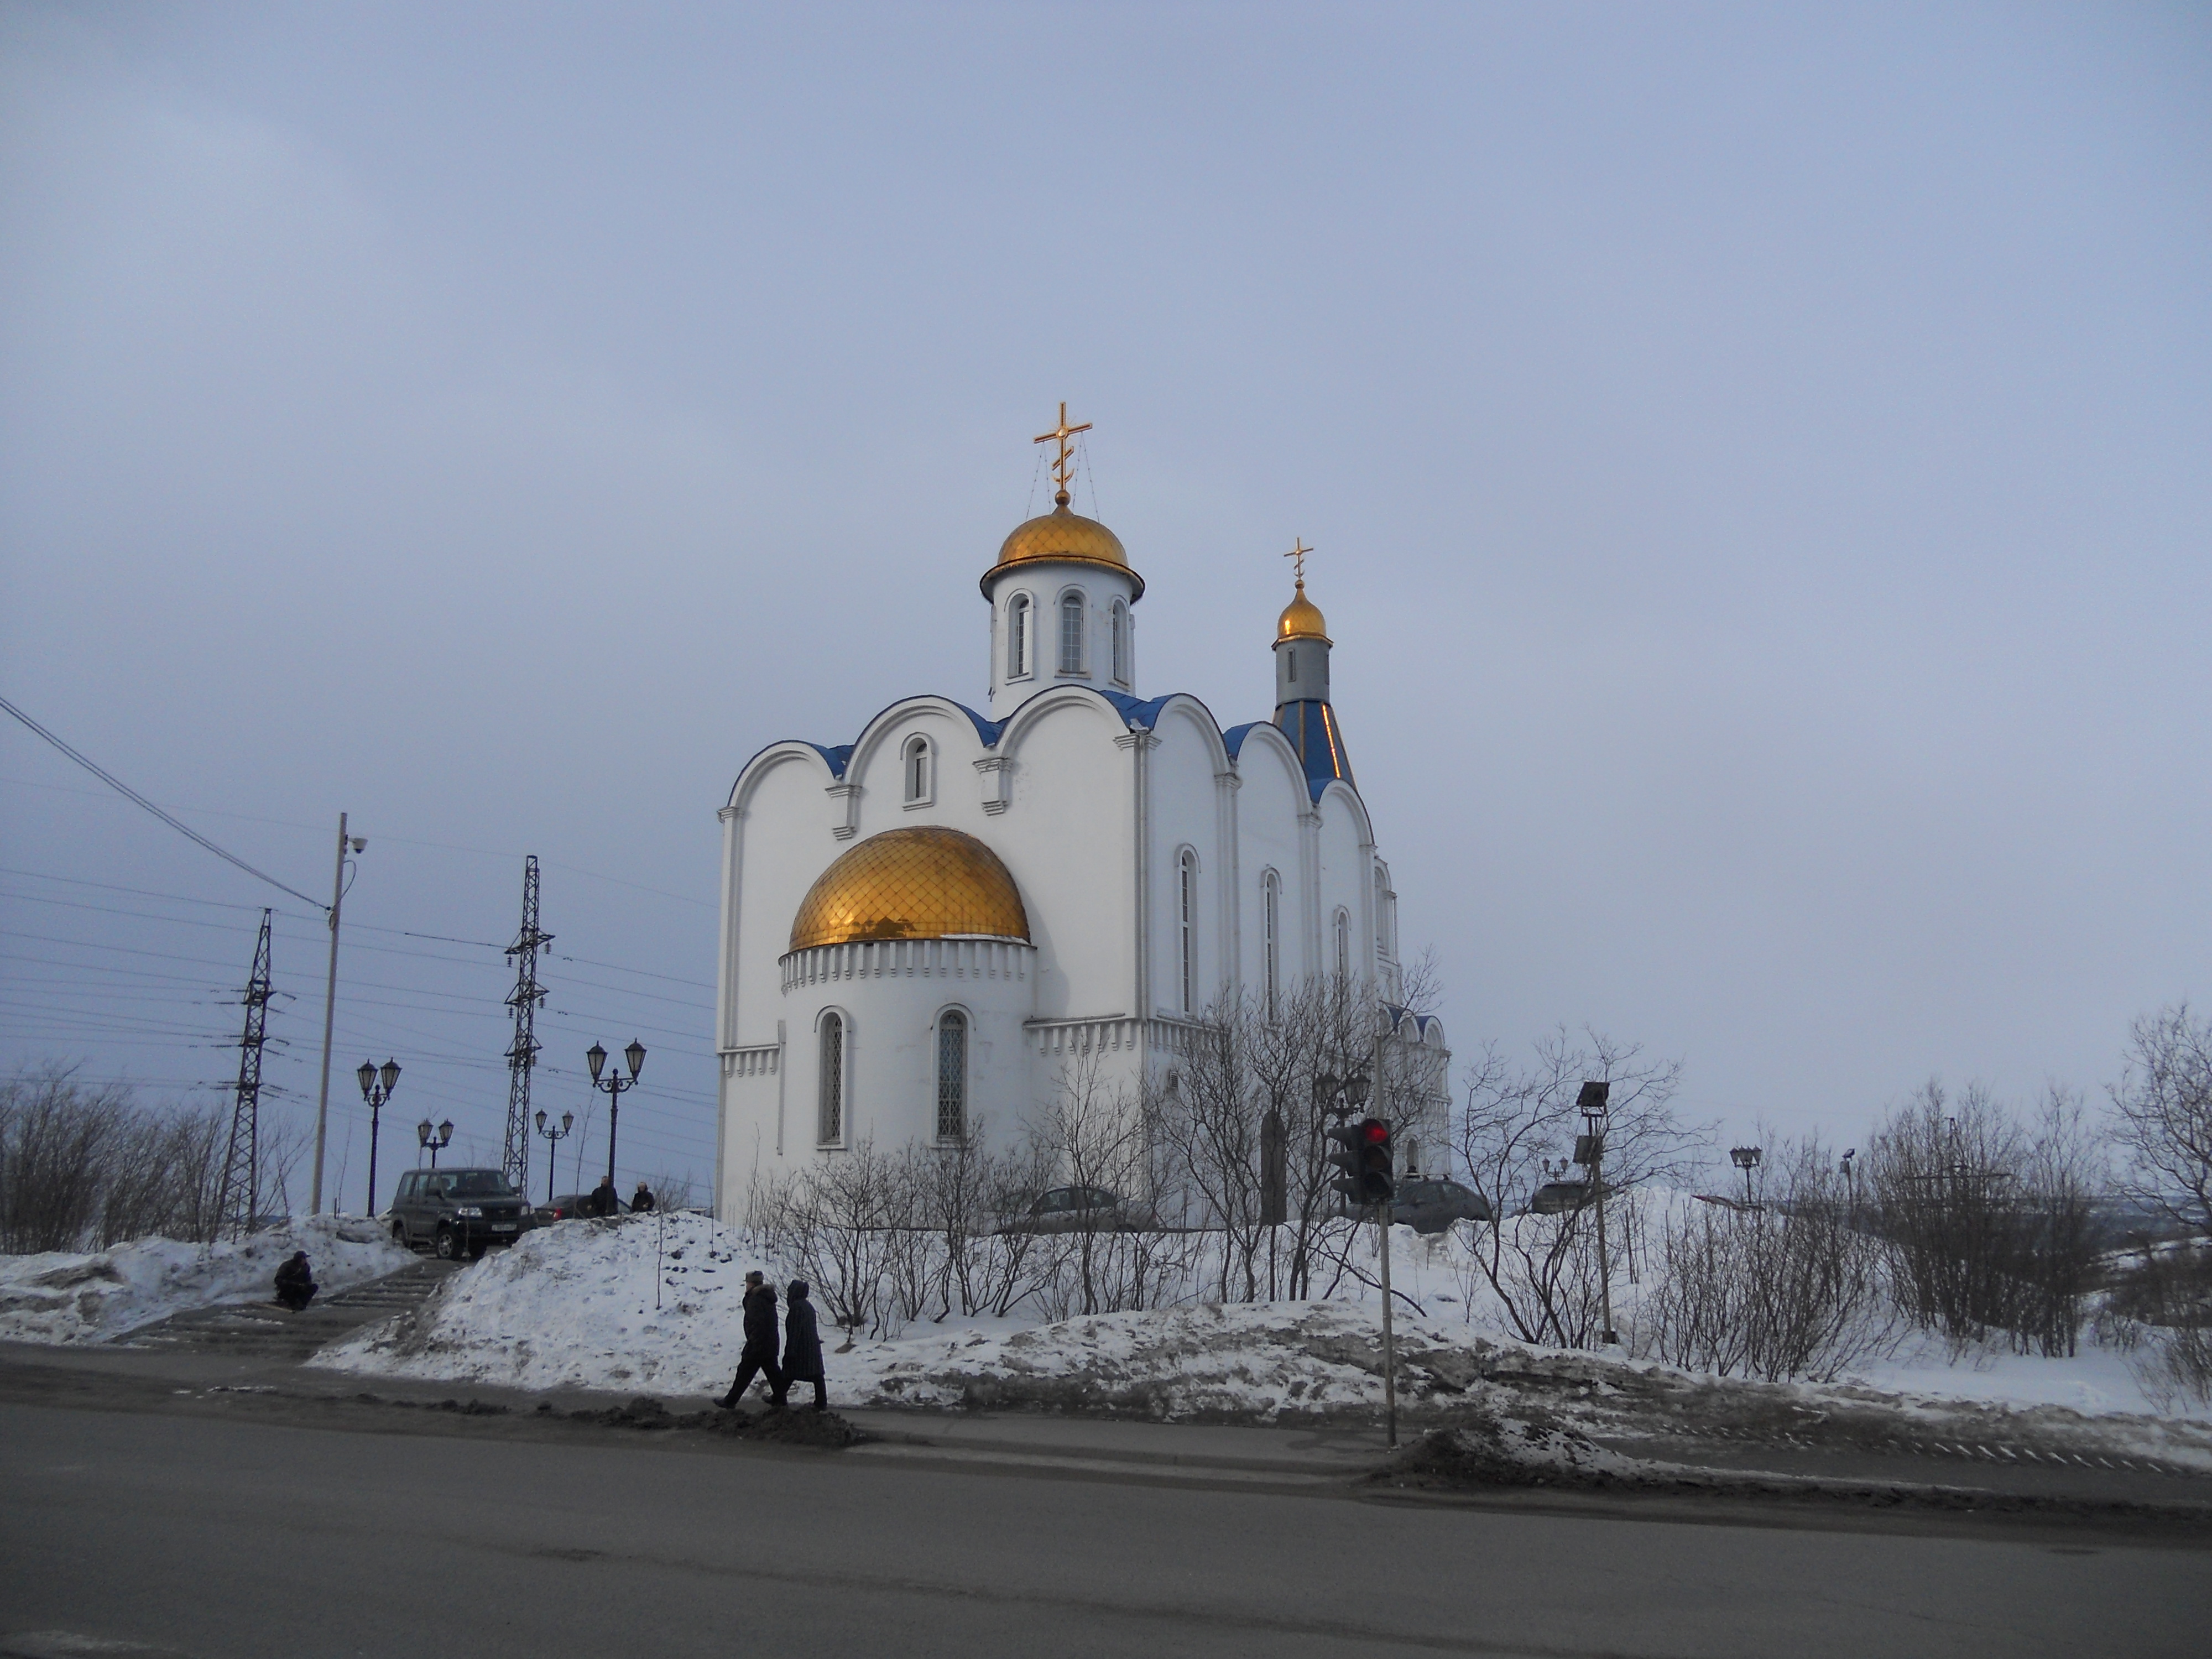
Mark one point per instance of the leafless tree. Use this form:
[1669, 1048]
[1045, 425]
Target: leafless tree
[2164, 1103]
[1517, 1132]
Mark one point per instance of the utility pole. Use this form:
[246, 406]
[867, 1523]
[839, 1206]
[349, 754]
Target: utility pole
[330, 1013]
[1590, 1154]
[1382, 1228]
[527, 997]
[239, 1194]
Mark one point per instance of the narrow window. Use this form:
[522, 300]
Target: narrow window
[832, 1127]
[952, 1077]
[1293, 654]
[1343, 946]
[1382, 915]
[1071, 633]
[917, 769]
[1271, 930]
[1121, 619]
[1187, 873]
[1413, 1157]
[1017, 636]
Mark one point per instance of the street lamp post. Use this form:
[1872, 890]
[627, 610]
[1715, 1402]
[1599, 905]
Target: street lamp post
[615, 1085]
[1589, 1153]
[567, 1124]
[1744, 1158]
[433, 1143]
[375, 1088]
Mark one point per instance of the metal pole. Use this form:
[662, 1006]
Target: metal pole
[1382, 1227]
[330, 1014]
[1607, 1335]
[375, 1113]
[614, 1110]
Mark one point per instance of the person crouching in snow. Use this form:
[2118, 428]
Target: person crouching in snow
[759, 1355]
[802, 1347]
[295, 1283]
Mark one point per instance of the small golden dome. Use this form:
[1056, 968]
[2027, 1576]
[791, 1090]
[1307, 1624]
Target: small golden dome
[1060, 534]
[927, 882]
[1301, 619]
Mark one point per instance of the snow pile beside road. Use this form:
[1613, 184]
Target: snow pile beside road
[62, 1297]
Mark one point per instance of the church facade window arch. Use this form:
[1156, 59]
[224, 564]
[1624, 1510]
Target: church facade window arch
[1018, 641]
[1271, 939]
[1186, 929]
[1118, 628]
[1382, 914]
[1073, 609]
[831, 1089]
[952, 1075]
[1343, 946]
[918, 768]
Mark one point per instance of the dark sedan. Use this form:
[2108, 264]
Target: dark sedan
[1431, 1204]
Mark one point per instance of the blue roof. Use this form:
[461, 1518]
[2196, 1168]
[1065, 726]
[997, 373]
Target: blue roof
[1311, 725]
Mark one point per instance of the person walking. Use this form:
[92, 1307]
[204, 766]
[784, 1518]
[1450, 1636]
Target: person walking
[759, 1356]
[295, 1283]
[641, 1201]
[802, 1347]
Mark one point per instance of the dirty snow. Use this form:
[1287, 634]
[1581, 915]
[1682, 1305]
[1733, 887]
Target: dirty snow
[64, 1297]
[574, 1307]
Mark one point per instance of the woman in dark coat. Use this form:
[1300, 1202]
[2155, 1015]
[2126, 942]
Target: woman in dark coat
[802, 1346]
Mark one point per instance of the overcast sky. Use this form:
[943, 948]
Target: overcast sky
[1759, 460]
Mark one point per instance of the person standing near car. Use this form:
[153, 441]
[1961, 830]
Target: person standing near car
[604, 1201]
[759, 1356]
[802, 1347]
[641, 1201]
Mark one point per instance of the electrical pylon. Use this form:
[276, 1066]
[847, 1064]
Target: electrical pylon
[239, 1197]
[527, 997]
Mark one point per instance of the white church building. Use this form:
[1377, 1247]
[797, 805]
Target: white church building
[921, 926]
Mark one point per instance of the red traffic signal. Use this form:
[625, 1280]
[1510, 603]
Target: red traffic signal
[1368, 1161]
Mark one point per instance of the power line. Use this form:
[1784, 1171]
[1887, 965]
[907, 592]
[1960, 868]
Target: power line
[129, 794]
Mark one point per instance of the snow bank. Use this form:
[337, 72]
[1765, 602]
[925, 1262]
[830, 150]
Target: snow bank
[64, 1298]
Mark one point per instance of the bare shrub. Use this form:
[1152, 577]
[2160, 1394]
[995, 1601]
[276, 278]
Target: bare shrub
[1988, 1226]
[1788, 1288]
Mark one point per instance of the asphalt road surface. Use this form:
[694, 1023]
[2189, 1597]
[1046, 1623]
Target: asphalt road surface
[215, 1539]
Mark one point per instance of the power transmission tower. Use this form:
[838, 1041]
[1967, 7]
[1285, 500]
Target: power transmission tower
[240, 1195]
[527, 996]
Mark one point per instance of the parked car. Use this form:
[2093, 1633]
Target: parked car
[1430, 1205]
[456, 1213]
[570, 1206]
[1079, 1209]
[1558, 1197]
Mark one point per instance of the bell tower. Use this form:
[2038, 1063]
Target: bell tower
[1303, 711]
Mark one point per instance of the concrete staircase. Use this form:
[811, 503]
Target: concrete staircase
[263, 1330]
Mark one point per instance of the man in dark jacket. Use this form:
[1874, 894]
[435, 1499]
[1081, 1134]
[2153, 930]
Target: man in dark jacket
[604, 1201]
[802, 1347]
[295, 1283]
[641, 1201]
[759, 1356]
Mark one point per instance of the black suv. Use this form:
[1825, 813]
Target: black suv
[456, 1211]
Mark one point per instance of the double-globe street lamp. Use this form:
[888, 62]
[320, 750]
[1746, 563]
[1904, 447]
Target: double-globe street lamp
[375, 1088]
[433, 1143]
[567, 1123]
[616, 1085]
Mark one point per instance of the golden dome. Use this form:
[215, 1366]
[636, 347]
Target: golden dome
[1301, 619]
[927, 882]
[1070, 537]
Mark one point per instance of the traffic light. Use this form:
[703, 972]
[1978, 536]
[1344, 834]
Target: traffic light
[1367, 1160]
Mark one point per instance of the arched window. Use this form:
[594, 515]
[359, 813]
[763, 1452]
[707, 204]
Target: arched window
[1382, 915]
[917, 770]
[952, 1075]
[1413, 1156]
[1017, 636]
[1071, 633]
[830, 1124]
[1120, 615]
[1187, 911]
[1343, 946]
[1271, 934]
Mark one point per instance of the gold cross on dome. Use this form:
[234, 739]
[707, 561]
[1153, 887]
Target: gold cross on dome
[1298, 551]
[1063, 466]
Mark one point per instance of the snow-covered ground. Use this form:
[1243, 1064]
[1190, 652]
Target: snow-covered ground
[61, 1297]
[653, 1305]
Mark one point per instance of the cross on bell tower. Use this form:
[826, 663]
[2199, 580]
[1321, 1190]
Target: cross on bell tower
[1063, 463]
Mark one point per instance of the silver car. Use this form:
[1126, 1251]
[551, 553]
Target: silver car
[1079, 1210]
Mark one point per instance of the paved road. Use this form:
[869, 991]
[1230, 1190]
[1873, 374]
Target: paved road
[234, 1538]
